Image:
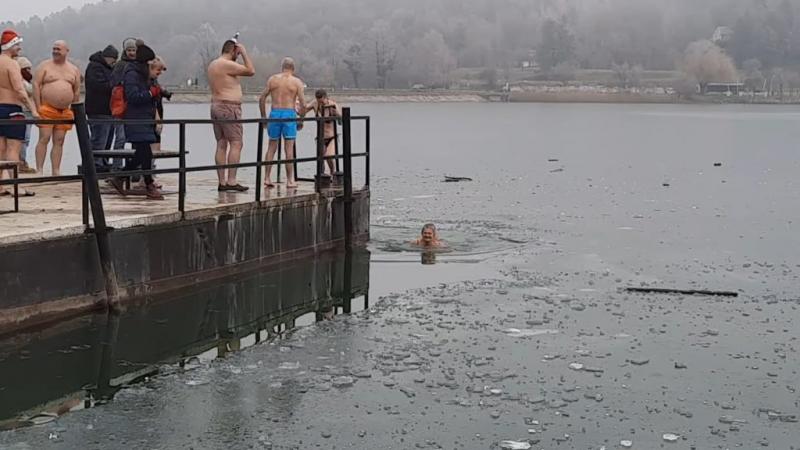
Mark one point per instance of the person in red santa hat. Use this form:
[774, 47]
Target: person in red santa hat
[13, 96]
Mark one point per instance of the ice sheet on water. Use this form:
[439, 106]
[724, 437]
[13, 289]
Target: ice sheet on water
[516, 332]
[515, 445]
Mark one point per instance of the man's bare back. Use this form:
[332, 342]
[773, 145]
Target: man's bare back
[11, 85]
[60, 84]
[284, 90]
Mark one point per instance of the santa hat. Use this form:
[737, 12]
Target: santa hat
[9, 39]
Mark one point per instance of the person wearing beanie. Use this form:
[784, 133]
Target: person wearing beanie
[141, 96]
[98, 100]
[56, 86]
[128, 56]
[13, 97]
[26, 70]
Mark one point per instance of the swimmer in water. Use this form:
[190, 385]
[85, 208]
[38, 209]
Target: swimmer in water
[429, 238]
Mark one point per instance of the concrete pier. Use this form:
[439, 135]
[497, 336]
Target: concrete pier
[50, 269]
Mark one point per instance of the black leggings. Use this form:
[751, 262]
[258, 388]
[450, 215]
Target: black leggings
[142, 159]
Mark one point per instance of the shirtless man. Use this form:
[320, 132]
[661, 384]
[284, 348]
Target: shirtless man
[226, 104]
[56, 86]
[13, 97]
[323, 106]
[286, 90]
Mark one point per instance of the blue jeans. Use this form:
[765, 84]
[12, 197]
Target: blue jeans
[118, 136]
[23, 152]
[99, 134]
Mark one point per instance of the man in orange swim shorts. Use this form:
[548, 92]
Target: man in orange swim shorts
[56, 85]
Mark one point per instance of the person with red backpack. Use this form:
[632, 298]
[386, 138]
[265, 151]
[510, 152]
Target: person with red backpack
[117, 138]
[141, 98]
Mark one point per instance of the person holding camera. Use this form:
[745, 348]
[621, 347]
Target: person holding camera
[226, 104]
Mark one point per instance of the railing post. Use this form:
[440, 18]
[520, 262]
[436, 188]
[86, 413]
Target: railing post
[348, 178]
[320, 152]
[182, 173]
[93, 192]
[368, 162]
[259, 160]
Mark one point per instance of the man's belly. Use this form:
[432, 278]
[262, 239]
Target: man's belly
[58, 94]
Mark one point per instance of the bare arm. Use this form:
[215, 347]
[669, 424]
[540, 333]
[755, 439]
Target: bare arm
[308, 108]
[76, 87]
[234, 69]
[301, 94]
[262, 100]
[248, 70]
[19, 88]
[38, 78]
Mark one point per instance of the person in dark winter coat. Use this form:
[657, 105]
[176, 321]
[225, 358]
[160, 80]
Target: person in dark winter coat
[117, 76]
[141, 97]
[98, 99]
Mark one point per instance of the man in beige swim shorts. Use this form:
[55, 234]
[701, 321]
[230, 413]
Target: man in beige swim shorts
[226, 104]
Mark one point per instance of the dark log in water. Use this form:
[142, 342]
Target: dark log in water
[682, 292]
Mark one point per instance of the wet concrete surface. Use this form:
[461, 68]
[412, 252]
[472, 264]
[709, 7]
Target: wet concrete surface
[56, 211]
[523, 336]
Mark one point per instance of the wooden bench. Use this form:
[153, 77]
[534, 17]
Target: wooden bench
[128, 154]
[13, 166]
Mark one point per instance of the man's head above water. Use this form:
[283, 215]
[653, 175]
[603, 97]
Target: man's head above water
[428, 234]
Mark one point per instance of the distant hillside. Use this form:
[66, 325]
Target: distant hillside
[399, 44]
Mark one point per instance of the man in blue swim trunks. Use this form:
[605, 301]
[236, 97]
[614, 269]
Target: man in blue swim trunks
[13, 97]
[286, 92]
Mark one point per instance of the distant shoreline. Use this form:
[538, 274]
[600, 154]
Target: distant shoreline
[190, 96]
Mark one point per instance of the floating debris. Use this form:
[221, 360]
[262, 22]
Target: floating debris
[682, 292]
[515, 332]
[343, 382]
[42, 418]
[448, 179]
[576, 366]
[639, 362]
[626, 444]
[515, 445]
[670, 437]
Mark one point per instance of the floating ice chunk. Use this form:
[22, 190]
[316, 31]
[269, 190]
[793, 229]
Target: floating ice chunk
[670, 437]
[515, 445]
[515, 332]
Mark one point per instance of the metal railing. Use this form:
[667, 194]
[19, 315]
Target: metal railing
[91, 199]
[81, 124]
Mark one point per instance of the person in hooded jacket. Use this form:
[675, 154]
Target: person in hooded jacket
[98, 99]
[141, 96]
[128, 56]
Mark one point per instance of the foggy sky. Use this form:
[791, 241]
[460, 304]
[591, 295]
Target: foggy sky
[16, 11]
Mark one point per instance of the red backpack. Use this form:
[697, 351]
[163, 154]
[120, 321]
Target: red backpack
[118, 102]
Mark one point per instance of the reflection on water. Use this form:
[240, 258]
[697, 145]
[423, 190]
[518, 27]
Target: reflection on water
[86, 361]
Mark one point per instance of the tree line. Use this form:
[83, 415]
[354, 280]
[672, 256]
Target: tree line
[439, 43]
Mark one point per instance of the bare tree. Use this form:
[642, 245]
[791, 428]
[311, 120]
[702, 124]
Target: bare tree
[707, 63]
[207, 48]
[385, 53]
[685, 87]
[627, 75]
[352, 59]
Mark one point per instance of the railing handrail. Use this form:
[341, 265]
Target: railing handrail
[266, 121]
[207, 168]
